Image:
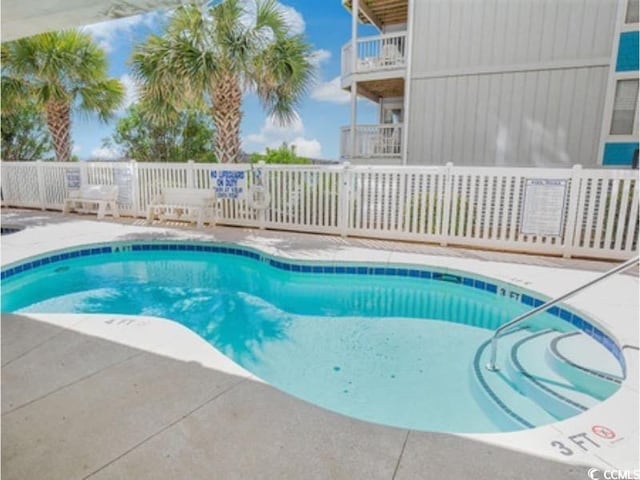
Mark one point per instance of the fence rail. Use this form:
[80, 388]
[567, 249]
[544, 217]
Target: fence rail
[372, 141]
[470, 206]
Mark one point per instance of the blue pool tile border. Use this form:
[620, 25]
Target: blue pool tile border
[339, 269]
[53, 258]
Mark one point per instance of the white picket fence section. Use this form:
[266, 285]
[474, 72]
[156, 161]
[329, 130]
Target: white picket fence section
[468, 206]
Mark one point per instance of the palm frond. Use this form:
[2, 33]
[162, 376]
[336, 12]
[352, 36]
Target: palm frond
[269, 15]
[15, 94]
[103, 98]
[282, 76]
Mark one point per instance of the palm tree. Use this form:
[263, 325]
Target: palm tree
[211, 55]
[59, 72]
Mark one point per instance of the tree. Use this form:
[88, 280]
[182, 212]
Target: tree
[284, 154]
[24, 136]
[211, 55]
[59, 72]
[188, 137]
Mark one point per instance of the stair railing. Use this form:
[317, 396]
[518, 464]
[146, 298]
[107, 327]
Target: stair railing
[491, 366]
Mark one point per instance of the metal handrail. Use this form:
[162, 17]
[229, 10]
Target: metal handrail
[494, 340]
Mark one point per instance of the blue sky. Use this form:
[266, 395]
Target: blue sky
[325, 24]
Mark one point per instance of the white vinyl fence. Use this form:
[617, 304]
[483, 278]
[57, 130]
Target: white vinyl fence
[472, 206]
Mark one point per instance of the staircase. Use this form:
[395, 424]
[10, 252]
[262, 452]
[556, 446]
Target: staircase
[547, 375]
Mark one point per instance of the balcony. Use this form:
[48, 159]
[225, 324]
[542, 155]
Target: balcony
[384, 54]
[372, 141]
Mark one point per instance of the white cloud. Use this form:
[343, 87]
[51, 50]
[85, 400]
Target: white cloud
[320, 56]
[307, 148]
[105, 153]
[272, 129]
[293, 18]
[330, 92]
[131, 93]
[272, 126]
[105, 33]
[272, 135]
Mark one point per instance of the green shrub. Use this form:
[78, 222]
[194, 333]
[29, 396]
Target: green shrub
[284, 154]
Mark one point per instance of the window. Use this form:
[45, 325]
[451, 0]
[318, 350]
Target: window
[633, 6]
[624, 107]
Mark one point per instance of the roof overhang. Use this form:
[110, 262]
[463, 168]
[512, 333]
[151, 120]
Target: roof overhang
[381, 12]
[23, 18]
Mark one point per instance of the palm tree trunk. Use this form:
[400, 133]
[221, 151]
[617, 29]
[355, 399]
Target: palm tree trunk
[227, 99]
[59, 122]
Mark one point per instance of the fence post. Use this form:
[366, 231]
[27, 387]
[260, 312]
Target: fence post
[135, 188]
[446, 204]
[190, 174]
[344, 198]
[41, 186]
[84, 176]
[572, 212]
[264, 179]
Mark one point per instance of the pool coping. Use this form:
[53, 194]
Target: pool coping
[543, 441]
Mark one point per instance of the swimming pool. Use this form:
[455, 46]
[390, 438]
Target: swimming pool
[9, 229]
[396, 345]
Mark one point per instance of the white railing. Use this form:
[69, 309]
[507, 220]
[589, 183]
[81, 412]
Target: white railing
[381, 52]
[473, 206]
[371, 141]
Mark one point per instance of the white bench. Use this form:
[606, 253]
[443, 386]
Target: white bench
[92, 199]
[184, 204]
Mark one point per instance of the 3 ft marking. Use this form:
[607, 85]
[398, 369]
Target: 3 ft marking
[122, 321]
[581, 440]
[509, 293]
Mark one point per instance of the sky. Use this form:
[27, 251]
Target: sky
[325, 24]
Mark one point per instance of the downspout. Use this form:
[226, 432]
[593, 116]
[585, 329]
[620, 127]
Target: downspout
[407, 81]
[354, 62]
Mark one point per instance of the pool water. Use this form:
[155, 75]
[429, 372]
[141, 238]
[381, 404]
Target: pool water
[392, 350]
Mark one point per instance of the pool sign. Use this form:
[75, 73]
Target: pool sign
[123, 178]
[603, 432]
[72, 176]
[228, 183]
[543, 206]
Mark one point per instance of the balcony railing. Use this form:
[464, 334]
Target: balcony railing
[372, 141]
[381, 52]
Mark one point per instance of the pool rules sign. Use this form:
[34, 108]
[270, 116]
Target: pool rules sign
[543, 206]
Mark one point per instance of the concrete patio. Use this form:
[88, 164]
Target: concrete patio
[117, 397]
[76, 406]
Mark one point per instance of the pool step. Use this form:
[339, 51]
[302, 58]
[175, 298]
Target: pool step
[510, 409]
[585, 363]
[533, 376]
[545, 375]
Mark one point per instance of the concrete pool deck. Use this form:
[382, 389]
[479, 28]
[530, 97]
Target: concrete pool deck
[150, 399]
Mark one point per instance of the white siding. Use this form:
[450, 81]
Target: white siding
[460, 34]
[538, 118]
[508, 82]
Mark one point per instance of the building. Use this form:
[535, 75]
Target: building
[493, 82]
